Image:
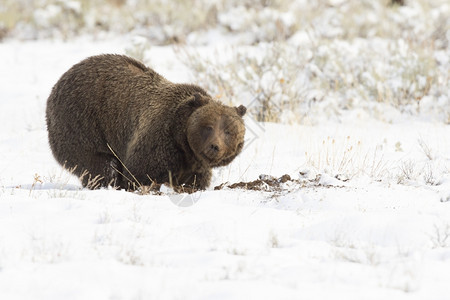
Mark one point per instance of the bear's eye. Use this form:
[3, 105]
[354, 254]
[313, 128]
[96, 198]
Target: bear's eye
[208, 128]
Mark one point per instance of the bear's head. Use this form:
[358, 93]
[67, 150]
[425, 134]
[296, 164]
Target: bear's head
[215, 132]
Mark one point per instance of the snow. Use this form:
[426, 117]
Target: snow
[364, 220]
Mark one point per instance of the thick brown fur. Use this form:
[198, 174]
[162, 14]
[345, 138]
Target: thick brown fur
[158, 130]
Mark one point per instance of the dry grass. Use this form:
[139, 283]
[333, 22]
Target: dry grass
[282, 82]
[347, 158]
[266, 80]
[164, 21]
[267, 21]
[313, 58]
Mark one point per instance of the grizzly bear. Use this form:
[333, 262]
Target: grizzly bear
[113, 121]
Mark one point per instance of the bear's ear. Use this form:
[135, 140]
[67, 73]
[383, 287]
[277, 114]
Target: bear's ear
[197, 100]
[241, 110]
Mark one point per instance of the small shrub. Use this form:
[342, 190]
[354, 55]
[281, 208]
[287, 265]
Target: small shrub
[268, 80]
[441, 236]
[407, 169]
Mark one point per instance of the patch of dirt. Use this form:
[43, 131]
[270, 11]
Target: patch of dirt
[264, 183]
[284, 183]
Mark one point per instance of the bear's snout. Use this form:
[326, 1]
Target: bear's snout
[214, 148]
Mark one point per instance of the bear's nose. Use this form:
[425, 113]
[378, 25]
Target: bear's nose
[214, 147]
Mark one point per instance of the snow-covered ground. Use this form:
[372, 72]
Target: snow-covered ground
[367, 217]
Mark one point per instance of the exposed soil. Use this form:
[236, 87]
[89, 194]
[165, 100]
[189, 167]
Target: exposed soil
[265, 183]
[281, 184]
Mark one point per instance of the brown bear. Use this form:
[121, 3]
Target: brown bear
[113, 121]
